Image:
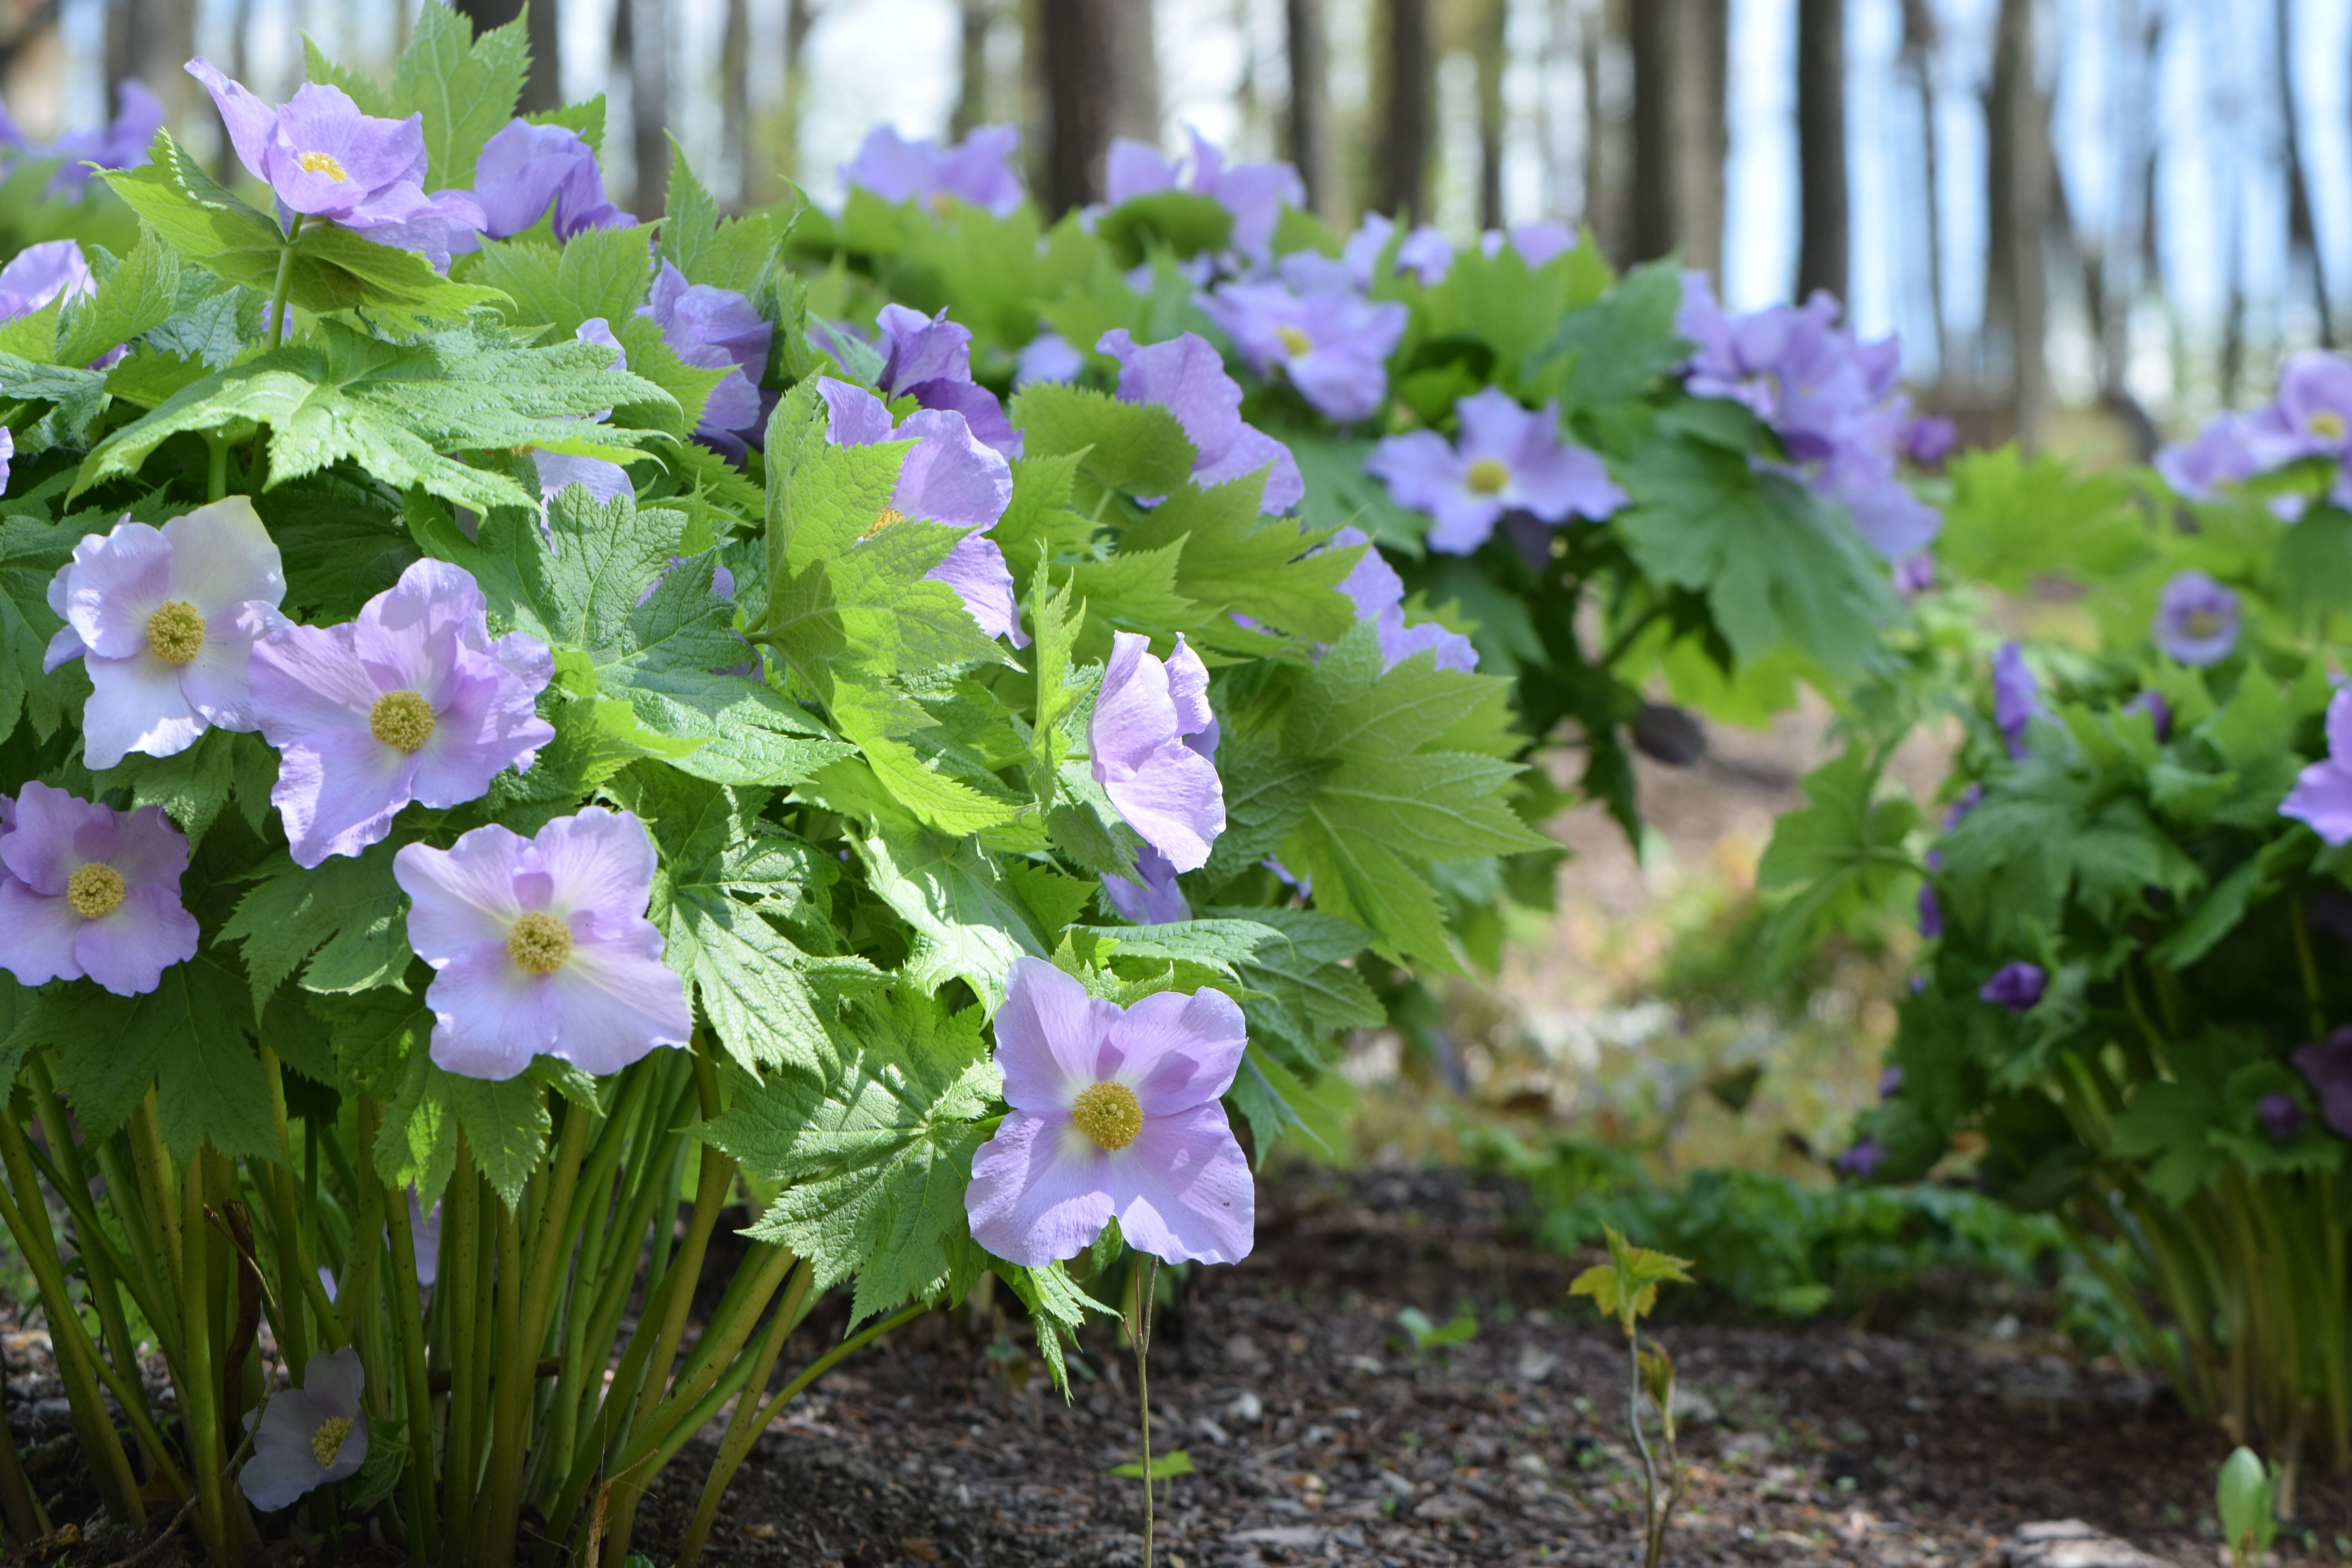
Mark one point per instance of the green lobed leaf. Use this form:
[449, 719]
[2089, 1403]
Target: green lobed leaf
[1137, 448]
[465, 86]
[343, 924]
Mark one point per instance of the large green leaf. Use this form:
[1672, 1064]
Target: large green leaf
[345, 918]
[465, 86]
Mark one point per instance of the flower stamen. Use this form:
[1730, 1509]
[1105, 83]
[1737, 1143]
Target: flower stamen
[884, 518]
[402, 720]
[539, 943]
[1488, 477]
[175, 632]
[323, 163]
[328, 1441]
[1109, 1114]
[95, 890]
[1294, 341]
[2201, 625]
[2328, 423]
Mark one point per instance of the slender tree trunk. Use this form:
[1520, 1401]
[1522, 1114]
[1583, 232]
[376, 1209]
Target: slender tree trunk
[800, 16]
[1404, 97]
[1490, 43]
[1308, 123]
[1680, 137]
[1919, 62]
[735, 97]
[1135, 70]
[2302, 239]
[1606, 51]
[1075, 34]
[150, 40]
[1824, 242]
[649, 101]
[2018, 192]
[544, 89]
[972, 67]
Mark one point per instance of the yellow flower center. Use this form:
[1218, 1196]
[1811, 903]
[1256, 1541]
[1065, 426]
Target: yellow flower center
[2201, 625]
[882, 520]
[1109, 1114]
[328, 1441]
[539, 943]
[94, 891]
[324, 163]
[1294, 341]
[175, 632]
[2329, 424]
[943, 201]
[1488, 476]
[400, 720]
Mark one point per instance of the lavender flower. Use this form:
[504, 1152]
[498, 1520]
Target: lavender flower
[1377, 593]
[411, 701]
[714, 328]
[1928, 439]
[2280, 1116]
[929, 358]
[978, 168]
[325, 159]
[7, 454]
[1863, 1159]
[91, 891]
[950, 478]
[1914, 574]
[2222, 454]
[1254, 193]
[2311, 416]
[607, 481]
[2326, 1066]
[120, 143]
[1536, 243]
[540, 946]
[2017, 986]
[2158, 711]
[164, 621]
[1507, 457]
[53, 270]
[1186, 376]
[308, 1437]
[1151, 897]
[2321, 795]
[526, 168]
[2016, 696]
[1890, 1082]
[1931, 911]
[1047, 357]
[1334, 347]
[1152, 736]
[2197, 619]
[1115, 1113]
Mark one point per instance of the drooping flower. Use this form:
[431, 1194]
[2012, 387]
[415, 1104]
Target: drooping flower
[1152, 736]
[2197, 619]
[1863, 1158]
[120, 143]
[1254, 193]
[525, 168]
[1377, 593]
[1333, 346]
[1186, 376]
[1048, 356]
[607, 481]
[1116, 1114]
[929, 358]
[92, 891]
[164, 620]
[2017, 985]
[2281, 1116]
[950, 478]
[540, 946]
[1506, 458]
[2016, 696]
[324, 159]
[308, 1437]
[1149, 897]
[2321, 795]
[978, 168]
[53, 270]
[411, 701]
[711, 329]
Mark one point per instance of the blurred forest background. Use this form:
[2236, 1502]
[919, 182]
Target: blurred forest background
[2092, 221]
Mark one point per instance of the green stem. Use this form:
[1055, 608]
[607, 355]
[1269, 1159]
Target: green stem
[510, 1395]
[1650, 1543]
[2309, 968]
[285, 284]
[462, 1216]
[69, 1178]
[1146, 1276]
[408, 1304]
[293, 1263]
[20, 1508]
[200, 1409]
[217, 467]
[744, 1430]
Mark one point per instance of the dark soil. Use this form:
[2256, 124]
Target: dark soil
[1316, 1435]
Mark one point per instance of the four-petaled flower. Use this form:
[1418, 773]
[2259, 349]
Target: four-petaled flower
[2197, 619]
[164, 621]
[53, 270]
[2321, 795]
[411, 701]
[715, 329]
[1185, 376]
[1508, 458]
[1152, 736]
[1254, 193]
[1116, 1114]
[978, 168]
[308, 1437]
[928, 359]
[525, 168]
[1333, 346]
[542, 946]
[91, 891]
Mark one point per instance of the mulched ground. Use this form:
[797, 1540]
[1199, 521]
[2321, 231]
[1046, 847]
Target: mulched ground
[1317, 1435]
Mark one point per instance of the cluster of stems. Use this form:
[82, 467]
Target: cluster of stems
[528, 1398]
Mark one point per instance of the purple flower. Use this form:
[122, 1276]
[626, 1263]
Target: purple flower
[1152, 736]
[1186, 376]
[1115, 1113]
[120, 143]
[2016, 696]
[607, 481]
[1334, 347]
[2326, 1066]
[1928, 439]
[1931, 911]
[1377, 593]
[929, 358]
[1425, 253]
[1254, 193]
[1861, 475]
[92, 891]
[308, 1437]
[1507, 457]
[2321, 795]
[164, 621]
[525, 168]
[325, 159]
[1049, 357]
[1536, 243]
[2222, 454]
[1151, 897]
[2017, 986]
[411, 701]
[714, 328]
[1914, 574]
[2280, 1116]
[2197, 619]
[1890, 1082]
[540, 946]
[7, 453]
[2158, 711]
[1863, 1158]
[2311, 416]
[978, 168]
[53, 270]
[950, 478]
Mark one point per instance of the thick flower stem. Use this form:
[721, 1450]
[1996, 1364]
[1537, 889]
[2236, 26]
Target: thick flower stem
[20, 1509]
[285, 284]
[293, 1328]
[494, 1523]
[409, 1310]
[70, 1181]
[1147, 1275]
[1650, 1540]
[462, 1213]
[744, 1430]
[200, 1408]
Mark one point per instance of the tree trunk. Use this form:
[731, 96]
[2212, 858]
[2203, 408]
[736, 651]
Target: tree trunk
[2302, 244]
[1824, 242]
[1681, 51]
[972, 68]
[1490, 43]
[1404, 95]
[649, 101]
[1089, 48]
[1135, 70]
[800, 16]
[2018, 177]
[544, 89]
[1919, 61]
[1606, 58]
[735, 97]
[150, 40]
[1308, 123]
